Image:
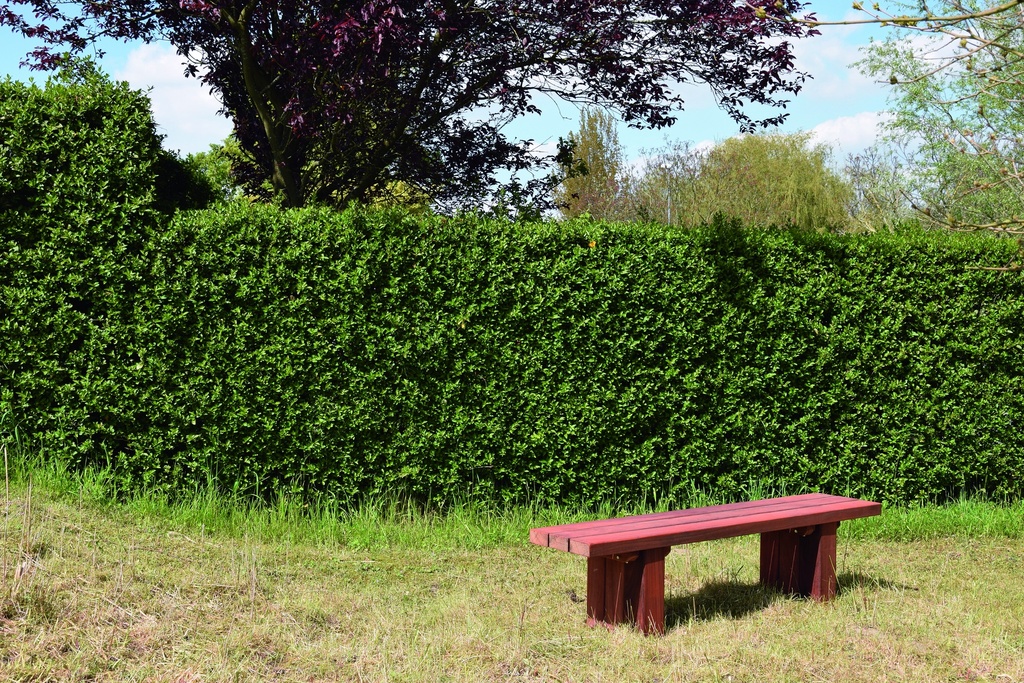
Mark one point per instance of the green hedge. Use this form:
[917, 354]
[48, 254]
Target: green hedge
[84, 186]
[372, 353]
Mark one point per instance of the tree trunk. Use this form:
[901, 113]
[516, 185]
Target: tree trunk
[286, 176]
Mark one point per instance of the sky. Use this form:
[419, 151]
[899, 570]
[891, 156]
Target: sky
[838, 105]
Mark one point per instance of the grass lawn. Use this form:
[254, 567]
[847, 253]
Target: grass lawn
[145, 591]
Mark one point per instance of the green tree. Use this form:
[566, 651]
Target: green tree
[772, 179]
[662, 186]
[216, 166]
[592, 177]
[957, 76]
[878, 179]
[769, 179]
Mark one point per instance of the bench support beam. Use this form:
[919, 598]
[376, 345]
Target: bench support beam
[801, 561]
[628, 589]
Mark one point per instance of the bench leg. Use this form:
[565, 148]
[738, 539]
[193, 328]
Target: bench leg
[801, 561]
[628, 589]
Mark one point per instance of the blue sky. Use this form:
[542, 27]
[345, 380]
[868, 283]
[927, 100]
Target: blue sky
[839, 105]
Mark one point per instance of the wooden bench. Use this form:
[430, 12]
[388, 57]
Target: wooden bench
[626, 555]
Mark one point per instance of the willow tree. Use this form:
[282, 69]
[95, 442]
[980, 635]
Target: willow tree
[775, 179]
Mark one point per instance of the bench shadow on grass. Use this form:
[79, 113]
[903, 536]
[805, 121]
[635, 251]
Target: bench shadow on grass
[849, 581]
[717, 600]
[727, 599]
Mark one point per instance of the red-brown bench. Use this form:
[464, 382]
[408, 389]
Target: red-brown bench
[626, 555]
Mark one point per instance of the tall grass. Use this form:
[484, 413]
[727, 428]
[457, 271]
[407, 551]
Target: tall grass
[967, 517]
[375, 523]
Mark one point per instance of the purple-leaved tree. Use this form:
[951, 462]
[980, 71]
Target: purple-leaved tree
[339, 100]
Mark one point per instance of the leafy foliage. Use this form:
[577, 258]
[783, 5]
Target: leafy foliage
[771, 179]
[84, 184]
[365, 352]
[957, 75]
[593, 172]
[776, 179]
[336, 101]
[84, 150]
[217, 168]
[664, 181]
[877, 177]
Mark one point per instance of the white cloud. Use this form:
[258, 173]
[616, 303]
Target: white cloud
[828, 58]
[184, 109]
[850, 134]
[546, 148]
[703, 146]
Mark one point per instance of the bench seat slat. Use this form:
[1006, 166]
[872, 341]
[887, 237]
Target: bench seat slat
[540, 536]
[703, 515]
[627, 541]
[662, 529]
[643, 524]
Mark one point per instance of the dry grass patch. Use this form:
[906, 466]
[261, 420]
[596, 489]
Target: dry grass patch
[101, 594]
